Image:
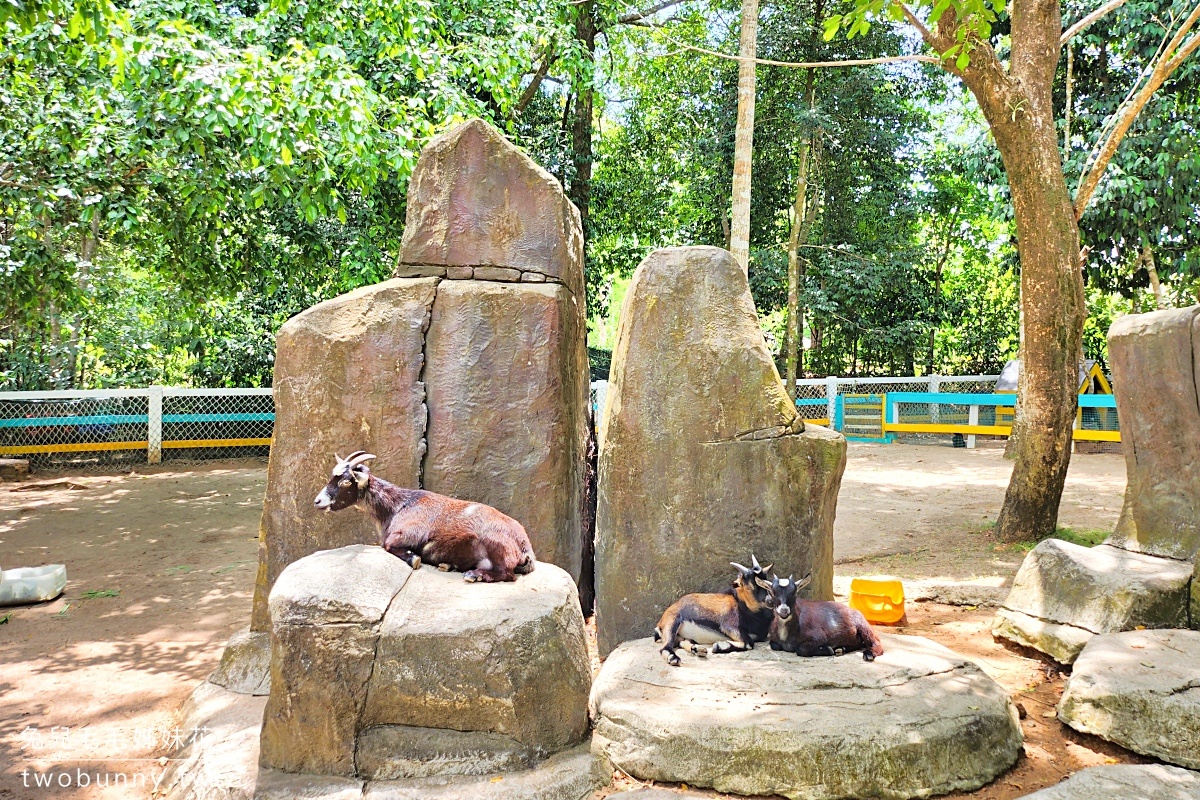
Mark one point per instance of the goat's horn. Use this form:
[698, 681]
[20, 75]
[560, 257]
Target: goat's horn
[767, 568]
[740, 568]
[339, 458]
[358, 458]
[754, 562]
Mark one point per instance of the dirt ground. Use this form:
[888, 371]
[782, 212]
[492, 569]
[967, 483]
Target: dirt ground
[161, 570]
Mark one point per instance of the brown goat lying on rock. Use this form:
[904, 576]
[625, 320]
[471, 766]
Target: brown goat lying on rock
[415, 525]
[818, 627]
[730, 620]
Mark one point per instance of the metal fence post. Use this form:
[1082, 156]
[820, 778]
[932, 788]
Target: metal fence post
[154, 426]
[831, 391]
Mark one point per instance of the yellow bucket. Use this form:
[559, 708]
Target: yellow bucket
[880, 600]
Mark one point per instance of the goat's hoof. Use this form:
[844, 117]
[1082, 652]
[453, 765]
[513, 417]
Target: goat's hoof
[839, 651]
[671, 658]
[868, 655]
[443, 567]
[721, 647]
[415, 563]
[701, 652]
[469, 578]
[657, 635]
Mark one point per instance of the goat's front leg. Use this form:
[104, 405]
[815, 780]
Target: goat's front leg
[736, 644]
[392, 543]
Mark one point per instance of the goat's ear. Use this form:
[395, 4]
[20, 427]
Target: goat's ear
[805, 581]
[762, 583]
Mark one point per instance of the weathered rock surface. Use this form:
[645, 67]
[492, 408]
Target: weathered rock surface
[476, 200]
[1125, 781]
[703, 459]
[506, 665]
[380, 672]
[1064, 593]
[325, 614]
[347, 376]
[1140, 689]
[221, 763]
[571, 775]
[507, 382]
[487, 309]
[245, 664]
[919, 720]
[1154, 361]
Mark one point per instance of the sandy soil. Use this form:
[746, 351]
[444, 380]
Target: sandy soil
[90, 683]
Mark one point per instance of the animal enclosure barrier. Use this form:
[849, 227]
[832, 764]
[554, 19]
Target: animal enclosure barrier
[966, 406]
[108, 429]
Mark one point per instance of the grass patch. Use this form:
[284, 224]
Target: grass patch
[1084, 537]
[92, 594]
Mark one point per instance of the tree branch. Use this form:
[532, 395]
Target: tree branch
[638, 16]
[1171, 58]
[854, 62]
[1086, 22]
[535, 83]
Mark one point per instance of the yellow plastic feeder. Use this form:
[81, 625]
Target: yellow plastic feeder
[880, 599]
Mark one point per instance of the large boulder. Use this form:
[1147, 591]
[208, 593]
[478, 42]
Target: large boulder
[1141, 575]
[1154, 361]
[703, 459]
[347, 377]
[487, 311]
[1141, 690]
[1064, 594]
[379, 672]
[1132, 781]
[918, 721]
[507, 382]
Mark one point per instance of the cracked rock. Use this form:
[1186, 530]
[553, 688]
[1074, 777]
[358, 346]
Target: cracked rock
[920, 720]
[702, 459]
[380, 672]
[1141, 690]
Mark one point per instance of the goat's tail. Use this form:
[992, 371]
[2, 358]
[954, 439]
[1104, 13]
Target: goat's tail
[872, 647]
[527, 564]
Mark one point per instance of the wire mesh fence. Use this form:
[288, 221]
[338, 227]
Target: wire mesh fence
[111, 430]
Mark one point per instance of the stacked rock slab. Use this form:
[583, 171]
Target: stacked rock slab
[703, 459]
[466, 374]
[1140, 689]
[918, 721]
[1145, 573]
[380, 673]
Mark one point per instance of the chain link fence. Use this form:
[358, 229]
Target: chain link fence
[114, 430]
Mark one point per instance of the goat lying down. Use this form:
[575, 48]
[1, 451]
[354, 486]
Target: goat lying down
[419, 526]
[818, 627]
[732, 620]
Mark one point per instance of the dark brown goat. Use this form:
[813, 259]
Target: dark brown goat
[818, 627]
[415, 525]
[730, 620]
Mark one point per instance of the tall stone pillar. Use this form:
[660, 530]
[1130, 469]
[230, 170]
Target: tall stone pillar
[703, 459]
[466, 374]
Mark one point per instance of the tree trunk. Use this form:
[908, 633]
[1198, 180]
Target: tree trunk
[743, 148]
[1052, 326]
[581, 123]
[1160, 295]
[1018, 105]
[801, 220]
